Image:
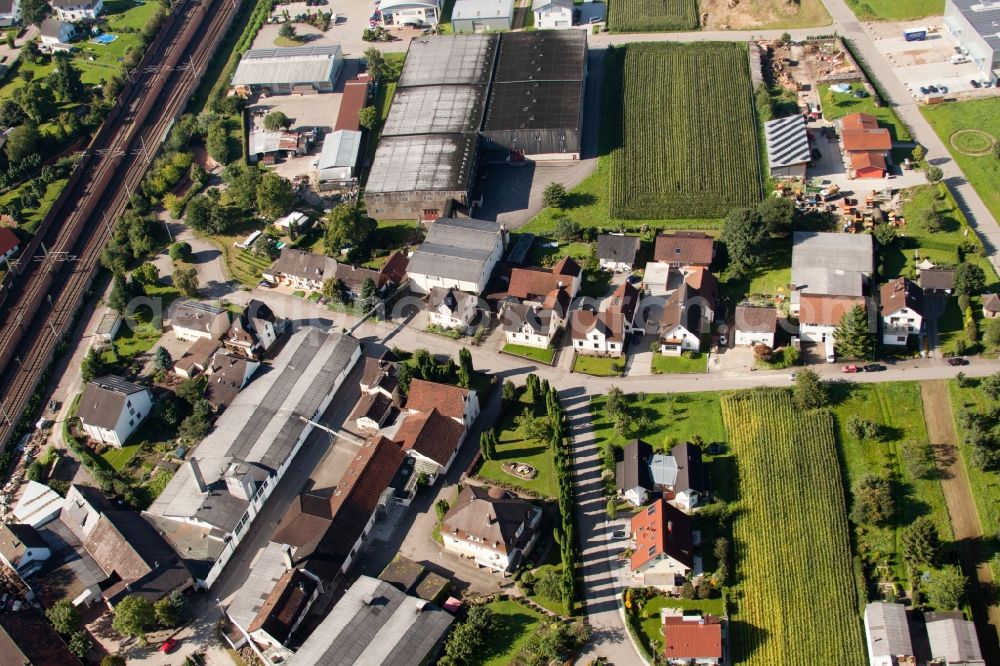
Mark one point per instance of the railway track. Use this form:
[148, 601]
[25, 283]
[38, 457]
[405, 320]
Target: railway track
[48, 289]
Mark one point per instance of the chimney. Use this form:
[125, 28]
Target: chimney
[286, 555]
[196, 473]
[670, 527]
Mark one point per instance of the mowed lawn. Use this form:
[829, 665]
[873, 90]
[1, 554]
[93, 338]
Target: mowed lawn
[846, 103]
[984, 115]
[898, 407]
[691, 362]
[512, 625]
[531, 353]
[679, 416]
[895, 10]
[512, 447]
[599, 366]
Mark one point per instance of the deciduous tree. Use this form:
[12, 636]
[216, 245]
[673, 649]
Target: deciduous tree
[946, 589]
[274, 196]
[367, 117]
[186, 281]
[809, 392]
[276, 120]
[21, 142]
[743, 233]
[873, 500]
[64, 617]
[969, 279]
[133, 616]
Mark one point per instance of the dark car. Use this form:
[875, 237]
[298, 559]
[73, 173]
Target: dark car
[924, 90]
[874, 367]
[933, 89]
[943, 90]
[958, 360]
[975, 83]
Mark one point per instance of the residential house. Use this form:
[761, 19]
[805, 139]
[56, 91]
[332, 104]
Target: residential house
[22, 549]
[450, 308]
[300, 269]
[681, 476]
[533, 324]
[991, 306]
[27, 638]
[936, 280]
[10, 13]
[888, 635]
[227, 376]
[632, 475]
[193, 320]
[377, 624]
[457, 253]
[688, 313]
[9, 244]
[197, 358]
[491, 527]
[535, 284]
[866, 145]
[902, 304]
[615, 252]
[56, 35]
[755, 326]
[819, 315]
[606, 332]
[379, 376]
[285, 608]
[454, 402]
[693, 640]
[553, 14]
[664, 547]
[433, 440]
[954, 641]
[111, 409]
[372, 411]
[254, 331]
[326, 527]
[682, 249]
[73, 11]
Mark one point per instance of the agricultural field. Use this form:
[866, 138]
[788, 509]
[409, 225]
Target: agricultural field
[970, 130]
[895, 10]
[652, 15]
[791, 536]
[762, 14]
[688, 146]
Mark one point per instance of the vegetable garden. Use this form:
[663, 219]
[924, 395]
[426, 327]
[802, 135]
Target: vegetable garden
[687, 146]
[652, 15]
[799, 596]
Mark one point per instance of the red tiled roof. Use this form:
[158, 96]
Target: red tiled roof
[352, 101]
[868, 160]
[860, 140]
[662, 528]
[702, 283]
[625, 299]
[423, 396]
[828, 310]
[431, 434]
[537, 282]
[566, 266]
[691, 639]
[692, 248]
[859, 121]
[288, 599]
[8, 240]
[395, 268]
[610, 322]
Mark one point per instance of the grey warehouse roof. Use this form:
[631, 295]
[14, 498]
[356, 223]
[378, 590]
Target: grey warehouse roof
[787, 141]
[847, 252]
[535, 105]
[456, 249]
[426, 162]
[436, 110]
[260, 427]
[481, 9]
[984, 16]
[889, 633]
[546, 55]
[374, 623]
[955, 641]
[452, 59]
[828, 281]
[299, 64]
[340, 149]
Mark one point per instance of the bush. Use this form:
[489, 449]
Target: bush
[554, 195]
[180, 251]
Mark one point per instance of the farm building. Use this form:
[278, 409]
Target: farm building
[419, 176]
[416, 13]
[866, 145]
[552, 14]
[829, 272]
[973, 23]
[354, 99]
[482, 15]
[536, 102]
[268, 146]
[458, 254]
[787, 146]
[338, 159]
[299, 69]
[887, 634]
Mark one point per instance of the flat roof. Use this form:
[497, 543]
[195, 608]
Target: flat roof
[847, 252]
[984, 17]
[535, 105]
[543, 55]
[299, 64]
[436, 110]
[470, 10]
[449, 59]
[425, 162]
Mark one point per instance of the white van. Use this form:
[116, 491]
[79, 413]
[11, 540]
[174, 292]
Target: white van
[831, 354]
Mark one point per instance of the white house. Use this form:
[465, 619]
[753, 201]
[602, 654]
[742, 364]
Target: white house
[458, 253]
[532, 325]
[300, 269]
[56, 34]
[664, 547]
[193, 320]
[22, 548]
[902, 304]
[10, 13]
[410, 12]
[688, 313]
[692, 640]
[491, 528]
[111, 409]
[755, 326]
[615, 252]
[887, 634]
[77, 10]
[450, 308]
[604, 333]
[552, 14]
[254, 332]
[680, 476]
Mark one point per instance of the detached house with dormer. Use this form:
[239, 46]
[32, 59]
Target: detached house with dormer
[450, 308]
[664, 547]
[688, 313]
[605, 333]
[536, 325]
[902, 306]
[111, 409]
[254, 332]
[492, 528]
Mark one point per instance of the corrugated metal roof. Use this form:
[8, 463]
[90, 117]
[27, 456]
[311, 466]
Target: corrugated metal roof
[787, 141]
[436, 110]
[267, 569]
[535, 105]
[449, 59]
[547, 55]
[426, 162]
[299, 64]
[955, 641]
[340, 149]
[889, 634]
[847, 252]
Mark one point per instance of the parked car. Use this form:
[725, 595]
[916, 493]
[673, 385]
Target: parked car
[924, 90]
[849, 368]
[975, 83]
[958, 360]
[169, 645]
[943, 90]
[793, 376]
[619, 535]
[874, 367]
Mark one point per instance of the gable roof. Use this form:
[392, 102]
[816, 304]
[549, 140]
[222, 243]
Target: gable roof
[633, 470]
[613, 247]
[690, 468]
[937, 278]
[456, 249]
[787, 141]
[610, 322]
[625, 299]
[198, 316]
[756, 319]
[517, 315]
[537, 5]
[375, 406]
[229, 371]
[846, 252]
[27, 638]
[888, 630]
[448, 400]
[860, 132]
[901, 293]
[490, 515]
[303, 265]
[662, 529]
[288, 599]
[826, 310]
[687, 637]
[431, 434]
[955, 641]
[868, 159]
[536, 283]
[991, 302]
[684, 247]
[104, 399]
[16, 539]
[453, 299]
[379, 373]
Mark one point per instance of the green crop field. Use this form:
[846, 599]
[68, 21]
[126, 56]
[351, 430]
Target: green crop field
[895, 10]
[799, 601]
[652, 15]
[687, 146]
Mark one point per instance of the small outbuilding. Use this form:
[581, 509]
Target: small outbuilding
[338, 160]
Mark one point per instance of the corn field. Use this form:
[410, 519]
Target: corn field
[688, 139]
[798, 601]
[652, 15]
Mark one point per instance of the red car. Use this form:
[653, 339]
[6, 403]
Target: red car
[849, 368]
[169, 645]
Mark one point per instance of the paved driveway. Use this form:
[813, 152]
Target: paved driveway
[935, 306]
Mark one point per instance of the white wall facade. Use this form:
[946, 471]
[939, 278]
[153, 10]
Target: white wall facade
[79, 12]
[816, 332]
[899, 325]
[597, 343]
[554, 18]
[752, 339]
[135, 410]
[687, 341]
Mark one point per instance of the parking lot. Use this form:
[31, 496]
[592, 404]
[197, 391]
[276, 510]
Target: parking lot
[926, 62]
[351, 20]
